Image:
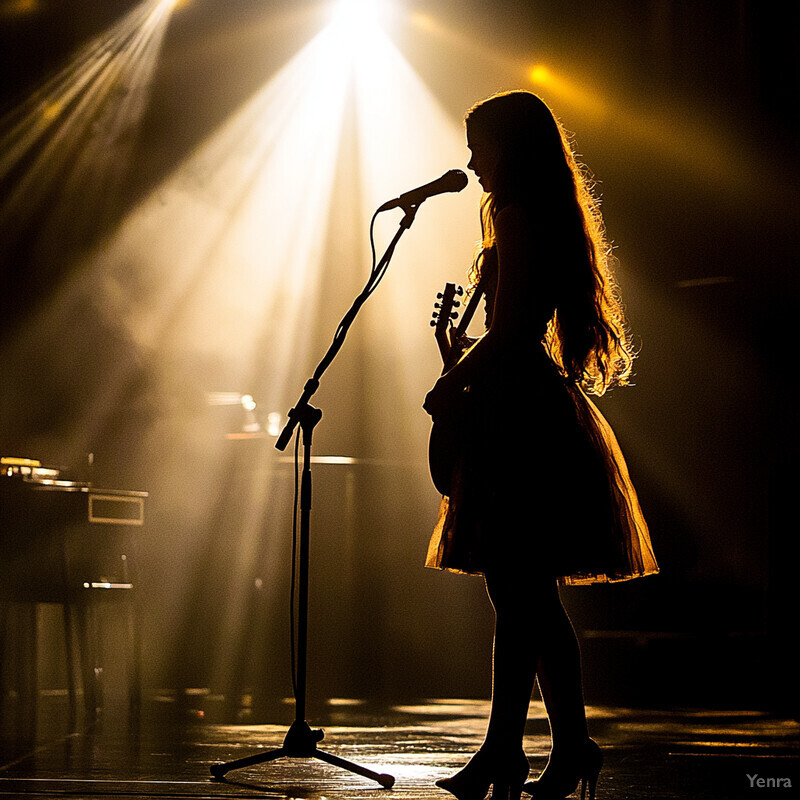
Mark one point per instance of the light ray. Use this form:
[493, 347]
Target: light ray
[217, 281]
[215, 272]
[685, 138]
[406, 139]
[68, 147]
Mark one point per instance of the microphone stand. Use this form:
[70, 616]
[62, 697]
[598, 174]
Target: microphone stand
[301, 740]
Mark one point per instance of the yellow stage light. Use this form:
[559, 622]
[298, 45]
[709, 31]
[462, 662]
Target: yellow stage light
[566, 90]
[540, 74]
[18, 8]
[352, 21]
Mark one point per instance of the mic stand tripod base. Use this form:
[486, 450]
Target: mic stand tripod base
[301, 742]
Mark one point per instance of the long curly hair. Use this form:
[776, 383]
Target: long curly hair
[587, 337]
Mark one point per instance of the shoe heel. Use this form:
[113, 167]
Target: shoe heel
[474, 780]
[558, 782]
[510, 786]
[591, 782]
[505, 791]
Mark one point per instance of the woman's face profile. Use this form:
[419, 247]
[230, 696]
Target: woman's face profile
[485, 156]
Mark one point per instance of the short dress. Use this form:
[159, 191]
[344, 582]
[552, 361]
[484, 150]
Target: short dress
[539, 480]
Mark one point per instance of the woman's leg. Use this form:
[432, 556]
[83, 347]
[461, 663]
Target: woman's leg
[534, 638]
[514, 660]
[501, 762]
[574, 759]
[561, 684]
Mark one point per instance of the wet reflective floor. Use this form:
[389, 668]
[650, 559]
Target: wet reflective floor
[169, 752]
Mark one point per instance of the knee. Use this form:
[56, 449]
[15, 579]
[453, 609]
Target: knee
[519, 594]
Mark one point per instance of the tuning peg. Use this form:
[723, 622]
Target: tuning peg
[439, 295]
[459, 290]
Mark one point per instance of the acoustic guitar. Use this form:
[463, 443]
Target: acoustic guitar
[447, 429]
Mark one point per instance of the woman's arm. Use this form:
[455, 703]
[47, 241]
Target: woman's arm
[513, 241]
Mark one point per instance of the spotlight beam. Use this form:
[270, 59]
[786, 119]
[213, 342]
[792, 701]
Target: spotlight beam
[71, 139]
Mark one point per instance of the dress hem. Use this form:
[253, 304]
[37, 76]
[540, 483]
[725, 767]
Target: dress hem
[562, 580]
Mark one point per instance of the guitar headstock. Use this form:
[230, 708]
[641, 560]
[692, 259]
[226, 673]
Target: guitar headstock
[443, 315]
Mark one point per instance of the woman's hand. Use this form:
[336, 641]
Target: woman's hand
[433, 400]
[440, 397]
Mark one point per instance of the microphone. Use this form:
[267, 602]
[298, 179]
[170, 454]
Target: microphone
[453, 181]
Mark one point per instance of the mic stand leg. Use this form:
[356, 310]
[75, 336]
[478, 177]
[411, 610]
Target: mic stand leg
[301, 740]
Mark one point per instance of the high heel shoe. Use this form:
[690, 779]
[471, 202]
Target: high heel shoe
[509, 786]
[483, 771]
[564, 773]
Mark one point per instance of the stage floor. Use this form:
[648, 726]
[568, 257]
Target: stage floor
[663, 754]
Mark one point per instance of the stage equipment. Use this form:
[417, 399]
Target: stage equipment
[71, 543]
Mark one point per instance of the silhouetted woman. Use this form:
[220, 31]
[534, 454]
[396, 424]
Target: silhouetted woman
[540, 495]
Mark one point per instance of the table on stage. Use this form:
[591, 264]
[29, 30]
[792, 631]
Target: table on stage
[70, 543]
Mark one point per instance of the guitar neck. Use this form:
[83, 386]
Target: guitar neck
[454, 352]
[469, 311]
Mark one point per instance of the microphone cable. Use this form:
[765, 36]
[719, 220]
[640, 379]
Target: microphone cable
[375, 277]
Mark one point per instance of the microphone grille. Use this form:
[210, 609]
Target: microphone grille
[457, 179]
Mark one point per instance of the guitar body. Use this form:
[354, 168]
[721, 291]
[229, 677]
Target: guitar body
[447, 432]
[445, 443]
